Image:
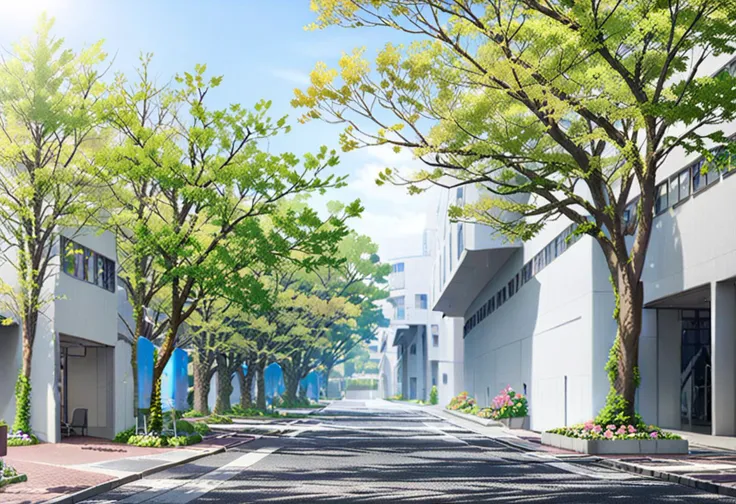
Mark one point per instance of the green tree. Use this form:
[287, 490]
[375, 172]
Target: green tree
[555, 108]
[190, 186]
[49, 125]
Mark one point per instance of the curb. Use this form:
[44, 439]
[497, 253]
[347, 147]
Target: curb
[112, 484]
[687, 481]
[485, 422]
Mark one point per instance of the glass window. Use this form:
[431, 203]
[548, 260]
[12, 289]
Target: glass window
[459, 194]
[413, 349]
[460, 239]
[399, 309]
[67, 250]
[697, 176]
[435, 340]
[503, 294]
[512, 289]
[90, 271]
[499, 301]
[493, 304]
[435, 329]
[398, 267]
[488, 306]
[420, 301]
[449, 237]
[444, 378]
[660, 203]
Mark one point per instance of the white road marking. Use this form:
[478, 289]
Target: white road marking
[176, 491]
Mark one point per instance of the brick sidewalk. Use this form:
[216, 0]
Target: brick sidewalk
[78, 463]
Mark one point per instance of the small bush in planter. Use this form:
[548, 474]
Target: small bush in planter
[150, 440]
[612, 432]
[184, 440]
[9, 475]
[201, 428]
[507, 404]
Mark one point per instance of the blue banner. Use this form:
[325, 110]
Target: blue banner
[274, 378]
[175, 383]
[145, 372]
[311, 385]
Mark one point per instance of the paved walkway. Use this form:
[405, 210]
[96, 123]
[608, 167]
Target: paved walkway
[705, 467]
[54, 470]
[373, 451]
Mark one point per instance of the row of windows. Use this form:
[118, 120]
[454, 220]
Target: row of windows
[676, 189]
[691, 180]
[85, 264]
[554, 249]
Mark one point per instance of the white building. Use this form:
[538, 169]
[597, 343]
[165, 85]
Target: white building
[538, 315]
[428, 350]
[81, 358]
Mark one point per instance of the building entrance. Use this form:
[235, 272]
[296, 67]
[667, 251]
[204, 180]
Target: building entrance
[695, 371]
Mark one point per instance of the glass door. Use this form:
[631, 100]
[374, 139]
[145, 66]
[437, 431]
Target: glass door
[695, 376]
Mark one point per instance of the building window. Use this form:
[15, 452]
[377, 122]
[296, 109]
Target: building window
[399, 309]
[460, 240]
[435, 340]
[87, 265]
[444, 378]
[398, 268]
[420, 301]
[512, 288]
[449, 238]
[660, 203]
[460, 196]
[703, 179]
[413, 349]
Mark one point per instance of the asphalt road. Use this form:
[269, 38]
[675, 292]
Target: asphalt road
[380, 452]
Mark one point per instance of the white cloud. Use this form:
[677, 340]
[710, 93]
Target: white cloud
[291, 75]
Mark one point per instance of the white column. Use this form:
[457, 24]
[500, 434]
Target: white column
[723, 357]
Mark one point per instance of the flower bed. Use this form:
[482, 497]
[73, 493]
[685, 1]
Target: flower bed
[464, 404]
[8, 475]
[506, 405]
[20, 438]
[611, 439]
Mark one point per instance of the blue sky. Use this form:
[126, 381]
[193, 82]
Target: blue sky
[263, 51]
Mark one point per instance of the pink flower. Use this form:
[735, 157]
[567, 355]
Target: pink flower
[654, 435]
[597, 429]
[632, 429]
[608, 434]
[611, 427]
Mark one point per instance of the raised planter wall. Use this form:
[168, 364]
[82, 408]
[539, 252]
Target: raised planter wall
[616, 447]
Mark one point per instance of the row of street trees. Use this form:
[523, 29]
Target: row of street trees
[217, 246]
[555, 108]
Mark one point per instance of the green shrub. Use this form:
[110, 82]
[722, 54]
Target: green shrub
[148, 441]
[182, 426]
[201, 428]
[219, 419]
[433, 399]
[184, 440]
[361, 384]
[123, 436]
[3, 424]
[22, 440]
[194, 414]
[22, 404]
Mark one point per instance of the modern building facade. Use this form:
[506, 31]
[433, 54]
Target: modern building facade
[538, 315]
[81, 356]
[428, 353]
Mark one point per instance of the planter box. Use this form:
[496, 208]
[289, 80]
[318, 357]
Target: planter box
[617, 447]
[516, 422]
[487, 422]
[3, 440]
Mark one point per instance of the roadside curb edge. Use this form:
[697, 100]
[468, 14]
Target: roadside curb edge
[124, 480]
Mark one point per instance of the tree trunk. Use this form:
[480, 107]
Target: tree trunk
[201, 366]
[631, 306]
[224, 385]
[291, 382]
[23, 386]
[261, 385]
[246, 384]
